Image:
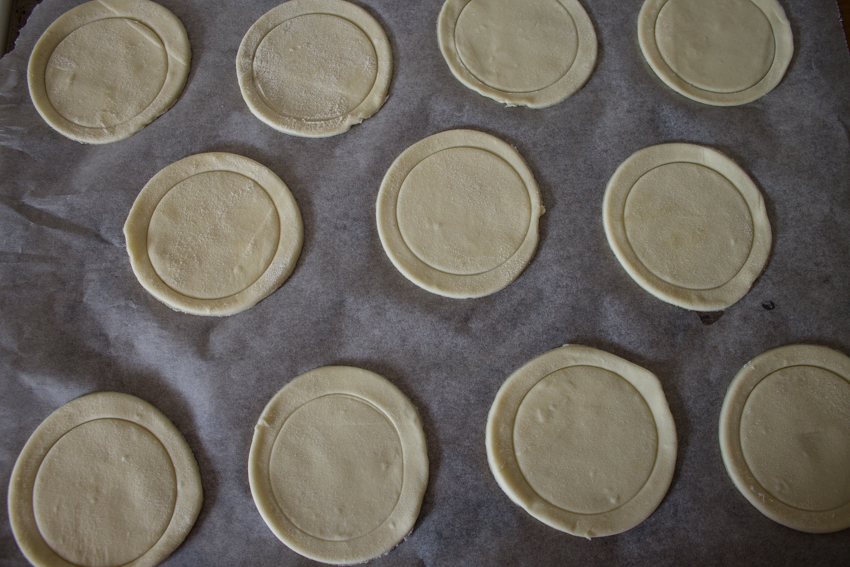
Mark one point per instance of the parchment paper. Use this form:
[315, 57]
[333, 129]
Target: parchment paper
[75, 320]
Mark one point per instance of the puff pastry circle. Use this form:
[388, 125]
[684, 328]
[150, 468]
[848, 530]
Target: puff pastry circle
[458, 214]
[583, 441]
[531, 53]
[723, 52]
[314, 68]
[105, 480]
[105, 69]
[688, 225]
[213, 234]
[338, 465]
[785, 436]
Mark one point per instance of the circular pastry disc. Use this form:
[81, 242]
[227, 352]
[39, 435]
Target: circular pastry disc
[724, 52]
[530, 53]
[105, 70]
[688, 225]
[314, 68]
[213, 234]
[582, 440]
[458, 214]
[785, 436]
[106, 480]
[338, 465]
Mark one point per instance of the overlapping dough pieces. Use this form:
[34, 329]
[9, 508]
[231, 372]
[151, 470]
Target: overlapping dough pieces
[688, 225]
[531, 53]
[338, 465]
[213, 234]
[785, 436]
[724, 52]
[105, 480]
[583, 441]
[104, 70]
[314, 68]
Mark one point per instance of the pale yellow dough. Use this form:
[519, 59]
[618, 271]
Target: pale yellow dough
[213, 234]
[723, 52]
[688, 225]
[583, 441]
[105, 69]
[106, 480]
[458, 214]
[785, 436]
[338, 465]
[531, 53]
[314, 68]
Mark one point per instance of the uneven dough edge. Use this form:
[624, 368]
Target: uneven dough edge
[784, 51]
[731, 452]
[299, 126]
[100, 405]
[435, 281]
[158, 18]
[502, 462]
[396, 407]
[623, 179]
[574, 79]
[281, 267]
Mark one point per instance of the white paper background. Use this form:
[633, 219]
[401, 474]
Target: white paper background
[74, 320]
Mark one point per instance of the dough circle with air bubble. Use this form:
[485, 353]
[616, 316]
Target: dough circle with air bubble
[104, 70]
[458, 214]
[785, 436]
[213, 234]
[338, 465]
[688, 225]
[723, 52]
[106, 480]
[531, 53]
[314, 68]
[583, 441]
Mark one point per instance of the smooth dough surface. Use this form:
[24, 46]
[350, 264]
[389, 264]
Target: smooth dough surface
[583, 441]
[338, 465]
[785, 436]
[530, 53]
[106, 69]
[213, 234]
[688, 225]
[314, 67]
[458, 213]
[106, 480]
[724, 52]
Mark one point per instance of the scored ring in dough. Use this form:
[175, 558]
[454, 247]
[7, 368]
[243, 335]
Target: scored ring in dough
[531, 53]
[105, 480]
[105, 69]
[583, 441]
[458, 214]
[314, 68]
[338, 465]
[785, 436]
[213, 234]
[722, 52]
[688, 225]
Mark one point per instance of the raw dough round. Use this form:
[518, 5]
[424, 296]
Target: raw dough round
[213, 234]
[458, 213]
[314, 68]
[723, 52]
[785, 436]
[530, 53]
[106, 69]
[338, 465]
[582, 440]
[688, 225]
[105, 480]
